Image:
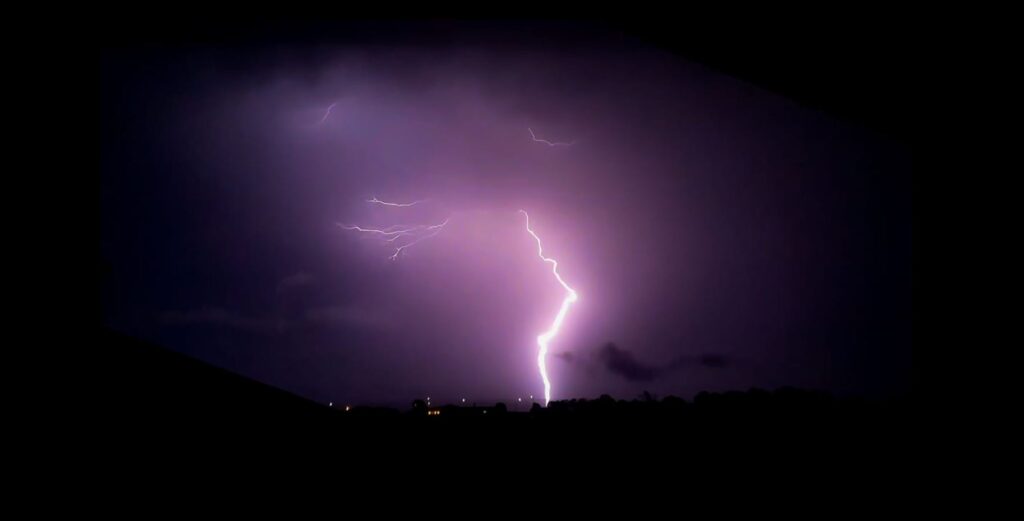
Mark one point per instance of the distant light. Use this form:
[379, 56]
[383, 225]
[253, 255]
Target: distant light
[463, 400]
[348, 408]
[331, 404]
[520, 400]
[485, 411]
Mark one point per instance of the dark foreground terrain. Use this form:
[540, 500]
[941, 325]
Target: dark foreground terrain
[150, 399]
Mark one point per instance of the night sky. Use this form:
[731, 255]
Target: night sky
[720, 236]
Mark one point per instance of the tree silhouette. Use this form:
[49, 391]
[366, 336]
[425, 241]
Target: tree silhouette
[419, 407]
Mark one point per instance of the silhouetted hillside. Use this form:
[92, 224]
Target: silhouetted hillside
[139, 382]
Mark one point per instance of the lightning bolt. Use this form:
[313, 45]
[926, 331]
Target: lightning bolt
[422, 232]
[545, 338]
[402, 205]
[550, 143]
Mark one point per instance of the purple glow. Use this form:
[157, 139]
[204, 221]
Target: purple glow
[725, 237]
[423, 232]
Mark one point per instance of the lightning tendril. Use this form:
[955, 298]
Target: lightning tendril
[327, 113]
[550, 143]
[401, 205]
[393, 233]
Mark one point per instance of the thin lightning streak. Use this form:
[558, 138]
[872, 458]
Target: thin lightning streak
[549, 143]
[328, 113]
[436, 227]
[399, 236]
[384, 203]
[545, 338]
[395, 234]
[384, 231]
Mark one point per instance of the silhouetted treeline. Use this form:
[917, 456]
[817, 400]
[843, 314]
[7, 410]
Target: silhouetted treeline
[781, 406]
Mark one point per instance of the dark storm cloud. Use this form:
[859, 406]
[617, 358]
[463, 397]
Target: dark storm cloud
[703, 360]
[622, 363]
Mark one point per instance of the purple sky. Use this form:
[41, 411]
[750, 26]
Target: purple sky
[719, 236]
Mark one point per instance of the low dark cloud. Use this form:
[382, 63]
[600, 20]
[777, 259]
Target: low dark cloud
[623, 363]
